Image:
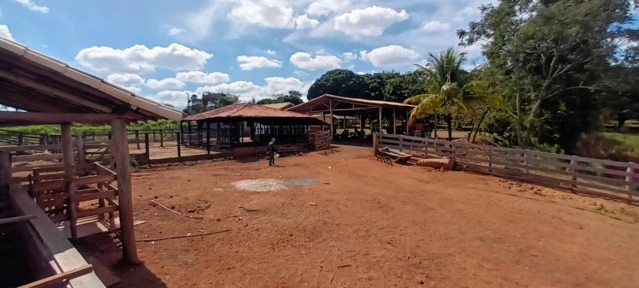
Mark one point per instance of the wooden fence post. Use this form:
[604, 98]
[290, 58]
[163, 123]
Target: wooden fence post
[490, 159]
[20, 138]
[179, 152]
[526, 162]
[5, 173]
[147, 151]
[153, 134]
[630, 187]
[69, 171]
[573, 171]
[80, 147]
[161, 139]
[401, 139]
[137, 138]
[208, 139]
[375, 142]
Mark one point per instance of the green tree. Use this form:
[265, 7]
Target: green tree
[293, 97]
[550, 58]
[209, 101]
[445, 81]
[337, 82]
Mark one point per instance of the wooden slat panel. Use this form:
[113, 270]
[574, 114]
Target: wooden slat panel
[31, 148]
[39, 157]
[97, 211]
[94, 196]
[94, 179]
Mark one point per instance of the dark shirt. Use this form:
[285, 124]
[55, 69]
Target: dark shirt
[271, 148]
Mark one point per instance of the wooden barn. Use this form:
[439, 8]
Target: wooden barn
[36, 200]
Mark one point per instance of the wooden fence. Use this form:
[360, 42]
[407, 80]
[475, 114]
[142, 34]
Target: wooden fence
[579, 174]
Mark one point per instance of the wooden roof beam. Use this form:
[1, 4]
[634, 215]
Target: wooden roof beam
[53, 91]
[33, 118]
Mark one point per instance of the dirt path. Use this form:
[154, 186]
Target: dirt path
[373, 225]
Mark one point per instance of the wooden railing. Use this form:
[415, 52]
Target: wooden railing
[578, 174]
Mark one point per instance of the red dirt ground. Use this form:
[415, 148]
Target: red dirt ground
[373, 225]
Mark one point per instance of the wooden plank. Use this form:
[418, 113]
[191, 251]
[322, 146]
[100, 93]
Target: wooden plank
[70, 186]
[52, 200]
[94, 179]
[65, 255]
[60, 218]
[122, 160]
[16, 219]
[104, 170]
[30, 148]
[60, 167]
[48, 186]
[30, 168]
[97, 211]
[96, 195]
[39, 157]
[60, 278]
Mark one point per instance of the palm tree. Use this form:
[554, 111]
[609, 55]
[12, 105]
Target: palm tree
[445, 82]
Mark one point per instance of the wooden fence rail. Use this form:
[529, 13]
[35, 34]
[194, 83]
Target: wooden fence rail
[578, 174]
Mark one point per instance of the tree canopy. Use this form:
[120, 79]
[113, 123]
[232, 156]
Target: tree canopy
[294, 97]
[209, 101]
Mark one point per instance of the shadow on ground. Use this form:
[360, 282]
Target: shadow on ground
[106, 249]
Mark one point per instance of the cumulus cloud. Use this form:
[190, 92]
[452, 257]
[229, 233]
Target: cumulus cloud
[348, 56]
[324, 7]
[175, 31]
[435, 26]
[200, 77]
[264, 13]
[177, 98]
[303, 22]
[390, 56]
[125, 79]
[320, 62]
[4, 32]
[252, 62]
[270, 52]
[370, 21]
[33, 7]
[249, 90]
[168, 84]
[140, 58]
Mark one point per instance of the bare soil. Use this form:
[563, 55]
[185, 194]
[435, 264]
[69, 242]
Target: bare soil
[370, 224]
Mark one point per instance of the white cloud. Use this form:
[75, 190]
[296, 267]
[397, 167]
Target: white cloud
[33, 7]
[300, 73]
[252, 62]
[320, 62]
[270, 52]
[139, 58]
[136, 90]
[348, 56]
[175, 31]
[435, 26]
[303, 22]
[249, 90]
[324, 7]
[360, 73]
[173, 97]
[370, 21]
[390, 56]
[264, 13]
[125, 79]
[168, 84]
[4, 32]
[200, 77]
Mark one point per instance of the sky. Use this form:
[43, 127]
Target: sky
[166, 50]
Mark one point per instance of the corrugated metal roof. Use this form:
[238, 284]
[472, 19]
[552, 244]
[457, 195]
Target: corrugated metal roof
[245, 110]
[87, 79]
[279, 106]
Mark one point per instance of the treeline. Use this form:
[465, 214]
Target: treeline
[554, 72]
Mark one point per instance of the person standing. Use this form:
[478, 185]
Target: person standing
[271, 152]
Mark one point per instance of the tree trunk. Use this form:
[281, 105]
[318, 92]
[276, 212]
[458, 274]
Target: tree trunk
[449, 124]
[621, 119]
[479, 125]
[435, 130]
[472, 128]
[519, 138]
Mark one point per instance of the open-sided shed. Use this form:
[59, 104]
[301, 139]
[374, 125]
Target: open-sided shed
[49, 91]
[330, 104]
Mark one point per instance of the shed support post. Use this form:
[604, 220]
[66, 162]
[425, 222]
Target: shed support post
[80, 146]
[379, 121]
[122, 159]
[208, 137]
[330, 110]
[5, 173]
[67, 153]
[394, 125]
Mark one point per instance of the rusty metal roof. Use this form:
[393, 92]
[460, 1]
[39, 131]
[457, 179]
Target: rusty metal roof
[279, 106]
[246, 110]
[343, 103]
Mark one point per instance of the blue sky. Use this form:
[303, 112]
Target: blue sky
[254, 48]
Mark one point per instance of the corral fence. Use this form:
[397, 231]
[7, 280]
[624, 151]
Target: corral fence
[606, 178]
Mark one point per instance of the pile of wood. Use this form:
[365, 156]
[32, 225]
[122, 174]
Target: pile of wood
[321, 140]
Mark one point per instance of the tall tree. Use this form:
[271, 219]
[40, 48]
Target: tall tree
[551, 56]
[338, 82]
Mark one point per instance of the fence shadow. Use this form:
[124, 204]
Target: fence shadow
[106, 249]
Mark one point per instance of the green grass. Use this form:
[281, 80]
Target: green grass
[629, 141]
[79, 128]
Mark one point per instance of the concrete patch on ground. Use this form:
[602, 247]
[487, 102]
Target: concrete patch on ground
[260, 185]
[301, 182]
